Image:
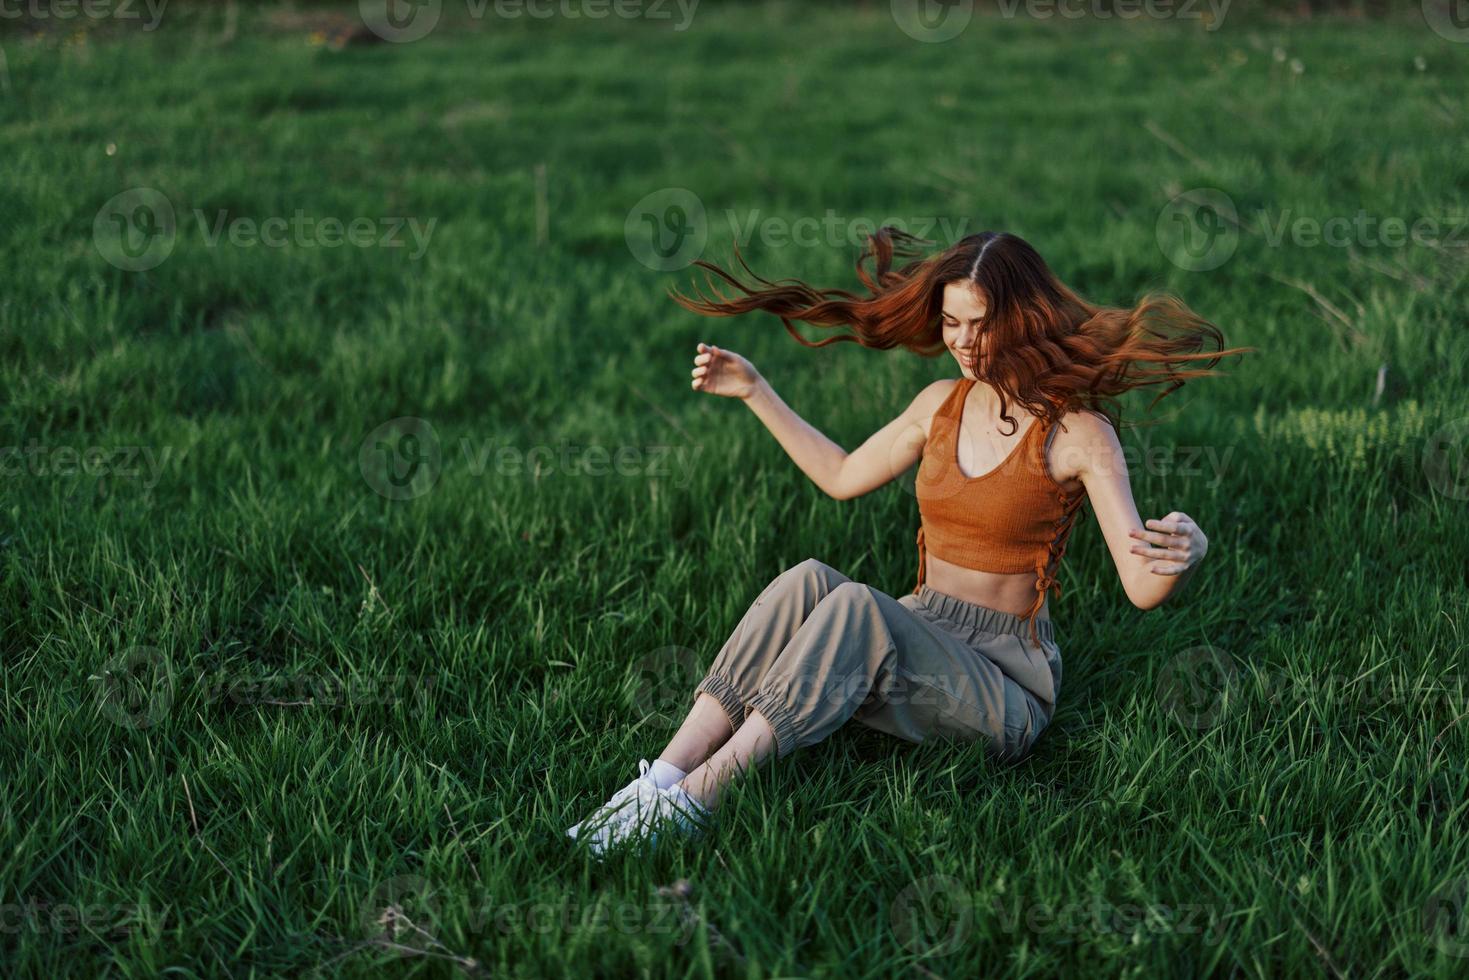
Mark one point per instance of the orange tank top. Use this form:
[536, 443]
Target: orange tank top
[1015, 518]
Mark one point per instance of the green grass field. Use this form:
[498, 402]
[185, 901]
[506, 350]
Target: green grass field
[260, 693]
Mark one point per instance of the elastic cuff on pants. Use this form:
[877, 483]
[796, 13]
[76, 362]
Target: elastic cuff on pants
[719, 688]
[768, 703]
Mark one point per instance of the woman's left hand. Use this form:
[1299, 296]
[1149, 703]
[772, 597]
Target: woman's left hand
[1172, 545]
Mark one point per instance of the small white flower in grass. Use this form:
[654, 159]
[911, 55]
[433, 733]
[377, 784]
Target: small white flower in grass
[1279, 54]
[1297, 66]
[1420, 63]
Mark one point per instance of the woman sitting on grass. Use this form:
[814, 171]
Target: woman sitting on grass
[971, 652]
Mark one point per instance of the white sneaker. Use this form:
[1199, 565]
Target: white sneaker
[596, 824]
[651, 814]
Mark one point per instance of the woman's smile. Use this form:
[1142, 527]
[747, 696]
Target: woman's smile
[963, 304]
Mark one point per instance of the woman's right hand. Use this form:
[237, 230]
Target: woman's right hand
[723, 372]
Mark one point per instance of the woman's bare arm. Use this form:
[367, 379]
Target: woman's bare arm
[885, 455]
[1153, 561]
[881, 459]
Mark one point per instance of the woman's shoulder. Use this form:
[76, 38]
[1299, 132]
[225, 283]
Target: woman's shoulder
[941, 389]
[1084, 424]
[935, 396]
[1076, 438]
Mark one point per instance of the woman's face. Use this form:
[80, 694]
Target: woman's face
[963, 319]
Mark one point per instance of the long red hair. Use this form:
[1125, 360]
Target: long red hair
[1049, 349]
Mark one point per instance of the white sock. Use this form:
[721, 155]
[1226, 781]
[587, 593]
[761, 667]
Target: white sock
[665, 774]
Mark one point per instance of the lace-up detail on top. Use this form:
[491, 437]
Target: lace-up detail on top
[1015, 518]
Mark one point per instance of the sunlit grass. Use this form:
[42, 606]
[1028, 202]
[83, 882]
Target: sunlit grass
[257, 698]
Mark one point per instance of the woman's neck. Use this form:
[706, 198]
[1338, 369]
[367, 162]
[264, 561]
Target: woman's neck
[985, 399]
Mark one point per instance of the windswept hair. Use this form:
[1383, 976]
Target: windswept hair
[1049, 349]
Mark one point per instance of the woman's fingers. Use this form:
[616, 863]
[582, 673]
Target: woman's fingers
[1156, 537]
[718, 371]
[1167, 554]
[1165, 531]
[1167, 568]
[1167, 546]
[1170, 544]
[703, 363]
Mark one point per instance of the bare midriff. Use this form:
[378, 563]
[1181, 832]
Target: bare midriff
[1013, 593]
